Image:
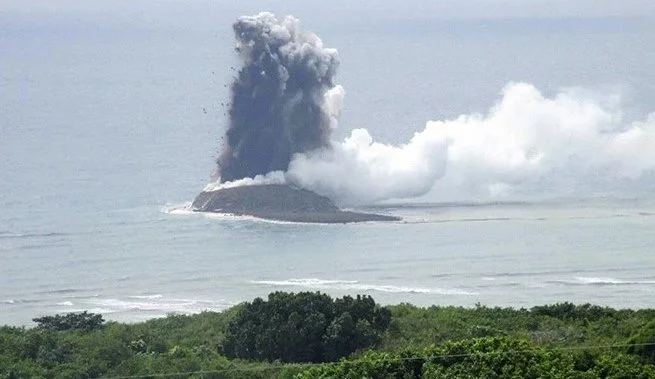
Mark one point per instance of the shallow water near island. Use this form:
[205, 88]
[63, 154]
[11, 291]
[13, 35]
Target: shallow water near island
[513, 254]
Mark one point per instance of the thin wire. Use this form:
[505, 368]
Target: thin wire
[222, 371]
[390, 359]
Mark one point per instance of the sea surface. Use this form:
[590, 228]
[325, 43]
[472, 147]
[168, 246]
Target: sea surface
[109, 129]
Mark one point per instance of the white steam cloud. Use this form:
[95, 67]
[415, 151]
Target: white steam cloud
[524, 141]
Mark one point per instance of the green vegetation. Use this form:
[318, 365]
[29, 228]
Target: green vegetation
[310, 335]
[489, 357]
[305, 327]
[83, 321]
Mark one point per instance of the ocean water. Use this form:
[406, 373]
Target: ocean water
[109, 129]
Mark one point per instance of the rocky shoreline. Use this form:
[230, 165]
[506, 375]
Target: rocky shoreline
[280, 203]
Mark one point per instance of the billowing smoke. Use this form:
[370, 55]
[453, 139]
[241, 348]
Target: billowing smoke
[285, 104]
[526, 142]
[277, 106]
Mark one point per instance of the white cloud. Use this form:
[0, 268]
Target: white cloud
[524, 140]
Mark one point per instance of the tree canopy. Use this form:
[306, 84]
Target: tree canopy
[82, 321]
[305, 327]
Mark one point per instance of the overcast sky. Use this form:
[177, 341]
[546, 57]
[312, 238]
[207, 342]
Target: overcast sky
[444, 8]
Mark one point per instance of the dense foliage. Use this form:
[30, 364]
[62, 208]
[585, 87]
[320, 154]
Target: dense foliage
[83, 321]
[489, 358]
[553, 341]
[305, 327]
[562, 325]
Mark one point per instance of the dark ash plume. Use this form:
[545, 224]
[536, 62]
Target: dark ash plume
[277, 98]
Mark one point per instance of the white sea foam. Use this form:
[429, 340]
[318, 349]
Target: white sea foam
[19, 301]
[354, 285]
[185, 210]
[233, 217]
[66, 303]
[177, 209]
[155, 296]
[304, 282]
[155, 303]
[609, 281]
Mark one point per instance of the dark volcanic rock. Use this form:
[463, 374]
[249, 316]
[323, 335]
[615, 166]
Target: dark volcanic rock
[279, 202]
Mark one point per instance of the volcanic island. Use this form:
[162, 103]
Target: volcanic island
[280, 203]
[284, 101]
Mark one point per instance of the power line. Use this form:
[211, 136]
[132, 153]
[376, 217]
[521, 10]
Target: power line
[222, 371]
[390, 359]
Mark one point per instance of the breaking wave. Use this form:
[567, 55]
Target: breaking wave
[583, 280]
[155, 303]
[155, 296]
[354, 285]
